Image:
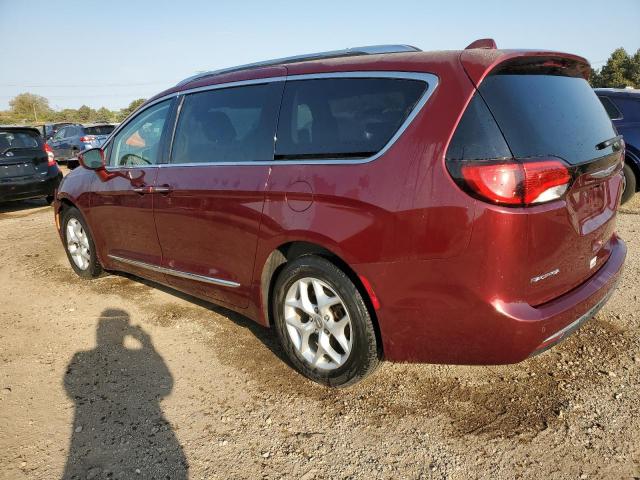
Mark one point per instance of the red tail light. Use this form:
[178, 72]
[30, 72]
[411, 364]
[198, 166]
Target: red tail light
[50, 155]
[516, 183]
[87, 138]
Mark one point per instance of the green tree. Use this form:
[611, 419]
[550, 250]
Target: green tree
[29, 107]
[620, 71]
[124, 113]
[85, 113]
[104, 115]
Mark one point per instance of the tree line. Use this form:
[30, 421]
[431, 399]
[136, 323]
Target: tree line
[621, 70]
[31, 109]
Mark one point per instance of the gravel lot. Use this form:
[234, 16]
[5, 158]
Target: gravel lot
[144, 382]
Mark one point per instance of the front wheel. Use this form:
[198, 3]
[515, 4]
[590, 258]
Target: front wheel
[323, 323]
[81, 250]
[629, 182]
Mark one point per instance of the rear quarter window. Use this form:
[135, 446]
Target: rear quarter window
[343, 117]
[611, 109]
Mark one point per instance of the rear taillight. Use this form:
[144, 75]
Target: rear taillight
[87, 138]
[515, 182]
[51, 157]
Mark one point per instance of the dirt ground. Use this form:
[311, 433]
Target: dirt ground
[144, 382]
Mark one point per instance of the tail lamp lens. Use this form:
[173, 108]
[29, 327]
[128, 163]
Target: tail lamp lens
[516, 183]
[87, 138]
[51, 157]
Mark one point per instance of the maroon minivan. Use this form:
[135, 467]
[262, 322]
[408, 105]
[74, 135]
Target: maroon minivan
[377, 202]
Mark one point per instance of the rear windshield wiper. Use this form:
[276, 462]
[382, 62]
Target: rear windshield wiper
[607, 143]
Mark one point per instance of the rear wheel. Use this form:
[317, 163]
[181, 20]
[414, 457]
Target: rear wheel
[79, 245]
[323, 323]
[629, 184]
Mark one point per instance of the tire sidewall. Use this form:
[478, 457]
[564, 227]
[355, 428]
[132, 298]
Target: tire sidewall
[630, 184]
[94, 269]
[359, 362]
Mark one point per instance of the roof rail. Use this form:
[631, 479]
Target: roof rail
[347, 52]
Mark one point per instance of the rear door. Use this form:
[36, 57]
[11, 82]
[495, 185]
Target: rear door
[209, 218]
[58, 144]
[22, 158]
[122, 201]
[545, 109]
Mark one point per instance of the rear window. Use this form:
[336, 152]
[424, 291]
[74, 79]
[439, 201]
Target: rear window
[12, 139]
[343, 117]
[548, 115]
[99, 130]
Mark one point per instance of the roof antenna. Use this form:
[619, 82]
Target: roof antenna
[488, 43]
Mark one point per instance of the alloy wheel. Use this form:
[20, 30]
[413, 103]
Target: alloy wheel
[318, 323]
[78, 244]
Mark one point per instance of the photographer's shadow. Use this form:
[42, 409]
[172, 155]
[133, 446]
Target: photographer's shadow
[119, 430]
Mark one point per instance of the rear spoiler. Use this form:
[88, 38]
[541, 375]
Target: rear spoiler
[479, 61]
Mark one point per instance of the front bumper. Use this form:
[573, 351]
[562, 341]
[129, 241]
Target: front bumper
[24, 189]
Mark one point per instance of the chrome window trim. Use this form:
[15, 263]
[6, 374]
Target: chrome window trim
[175, 273]
[430, 79]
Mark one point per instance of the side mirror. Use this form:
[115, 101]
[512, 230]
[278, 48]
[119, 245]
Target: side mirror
[92, 159]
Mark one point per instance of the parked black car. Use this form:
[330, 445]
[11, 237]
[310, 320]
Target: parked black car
[623, 107]
[72, 139]
[26, 168]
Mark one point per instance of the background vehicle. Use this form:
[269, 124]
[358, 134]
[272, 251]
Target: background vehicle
[72, 139]
[623, 107]
[27, 169]
[48, 130]
[381, 201]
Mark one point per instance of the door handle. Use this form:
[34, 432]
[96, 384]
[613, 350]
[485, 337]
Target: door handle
[143, 190]
[161, 189]
[150, 189]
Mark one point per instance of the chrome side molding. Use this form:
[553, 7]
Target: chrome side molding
[176, 273]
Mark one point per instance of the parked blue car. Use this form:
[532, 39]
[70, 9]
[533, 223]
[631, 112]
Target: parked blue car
[623, 107]
[72, 139]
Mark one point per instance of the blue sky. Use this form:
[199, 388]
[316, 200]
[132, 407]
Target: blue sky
[109, 52]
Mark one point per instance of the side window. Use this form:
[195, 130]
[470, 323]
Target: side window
[343, 117]
[138, 143]
[612, 110]
[235, 124]
[60, 134]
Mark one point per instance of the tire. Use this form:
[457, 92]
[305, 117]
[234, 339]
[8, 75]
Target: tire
[341, 320]
[629, 184]
[85, 263]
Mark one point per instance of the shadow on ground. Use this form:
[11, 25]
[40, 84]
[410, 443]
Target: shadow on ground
[119, 430]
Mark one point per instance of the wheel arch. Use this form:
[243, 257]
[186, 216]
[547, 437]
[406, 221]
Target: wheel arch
[292, 250]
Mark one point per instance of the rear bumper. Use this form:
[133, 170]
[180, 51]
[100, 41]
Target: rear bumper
[429, 315]
[11, 190]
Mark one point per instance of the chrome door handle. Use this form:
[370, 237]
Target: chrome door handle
[150, 189]
[143, 190]
[161, 189]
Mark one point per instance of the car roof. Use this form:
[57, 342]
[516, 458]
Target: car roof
[19, 127]
[619, 92]
[481, 57]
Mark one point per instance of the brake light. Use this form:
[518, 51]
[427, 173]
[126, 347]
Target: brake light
[51, 157]
[516, 183]
[88, 138]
